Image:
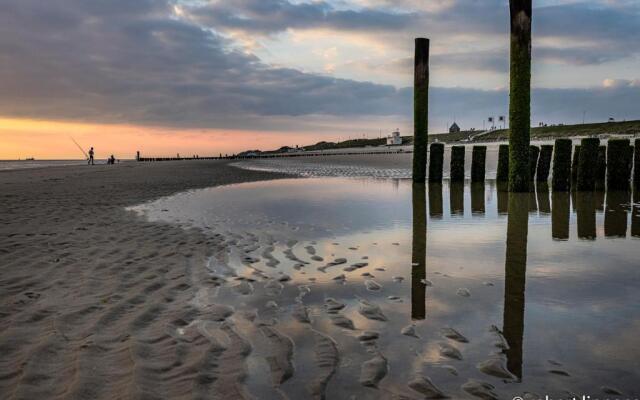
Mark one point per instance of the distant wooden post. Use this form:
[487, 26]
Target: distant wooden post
[420, 109]
[544, 162]
[587, 164]
[478, 162]
[502, 174]
[601, 168]
[456, 173]
[617, 164]
[574, 165]
[534, 151]
[636, 165]
[561, 165]
[137, 155]
[520, 95]
[436, 160]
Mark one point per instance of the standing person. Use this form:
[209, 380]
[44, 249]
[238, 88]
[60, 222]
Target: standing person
[90, 156]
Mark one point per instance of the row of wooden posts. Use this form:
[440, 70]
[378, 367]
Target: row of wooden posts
[593, 167]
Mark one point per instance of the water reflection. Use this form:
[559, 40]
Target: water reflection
[615, 215]
[586, 211]
[503, 197]
[635, 214]
[515, 277]
[456, 198]
[477, 198]
[560, 215]
[418, 252]
[435, 200]
[542, 191]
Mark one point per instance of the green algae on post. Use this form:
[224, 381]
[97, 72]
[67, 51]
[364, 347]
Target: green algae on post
[544, 162]
[561, 165]
[436, 160]
[502, 174]
[456, 173]
[617, 164]
[587, 164]
[420, 109]
[478, 163]
[520, 95]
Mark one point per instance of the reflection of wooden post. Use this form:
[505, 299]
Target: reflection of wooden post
[456, 198]
[615, 214]
[586, 211]
[601, 168]
[478, 163]
[436, 160]
[502, 174]
[618, 164]
[561, 165]
[635, 210]
[477, 198]
[587, 163]
[560, 215]
[515, 278]
[503, 197]
[419, 252]
[534, 151]
[420, 109]
[544, 162]
[435, 200]
[456, 171]
[520, 95]
[542, 192]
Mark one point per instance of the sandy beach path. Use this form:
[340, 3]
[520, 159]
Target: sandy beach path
[90, 294]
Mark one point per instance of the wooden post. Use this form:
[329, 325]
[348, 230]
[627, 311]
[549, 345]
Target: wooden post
[617, 164]
[435, 200]
[615, 214]
[478, 162]
[456, 173]
[520, 95]
[502, 175]
[586, 215]
[544, 162]
[456, 198]
[420, 109]
[636, 165]
[587, 164]
[436, 160]
[561, 165]
[137, 155]
[477, 198]
[601, 168]
[574, 165]
[534, 151]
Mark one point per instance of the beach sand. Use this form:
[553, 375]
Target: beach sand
[91, 294]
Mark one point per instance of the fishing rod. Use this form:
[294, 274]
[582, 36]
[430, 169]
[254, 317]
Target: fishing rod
[80, 147]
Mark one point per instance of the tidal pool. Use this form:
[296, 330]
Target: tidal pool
[362, 288]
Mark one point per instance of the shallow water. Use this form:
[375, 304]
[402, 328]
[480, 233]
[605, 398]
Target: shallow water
[378, 289]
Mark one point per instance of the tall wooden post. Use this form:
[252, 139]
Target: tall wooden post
[502, 174]
[561, 179]
[544, 163]
[587, 164]
[436, 160]
[420, 109]
[520, 95]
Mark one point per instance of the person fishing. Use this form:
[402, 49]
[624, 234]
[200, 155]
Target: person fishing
[90, 161]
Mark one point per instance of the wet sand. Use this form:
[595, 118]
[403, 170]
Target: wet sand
[91, 294]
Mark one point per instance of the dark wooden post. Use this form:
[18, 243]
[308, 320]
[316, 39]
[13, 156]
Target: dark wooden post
[617, 164]
[420, 109]
[478, 162]
[435, 200]
[520, 95]
[636, 165]
[560, 181]
[560, 215]
[456, 198]
[586, 215]
[615, 214]
[601, 168]
[137, 155]
[574, 165]
[544, 162]
[587, 164]
[534, 151]
[477, 198]
[456, 173]
[502, 175]
[436, 160]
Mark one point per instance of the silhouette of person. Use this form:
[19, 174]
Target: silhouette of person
[112, 160]
[90, 156]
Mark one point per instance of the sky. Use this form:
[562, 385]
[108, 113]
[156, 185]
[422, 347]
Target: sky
[220, 76]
